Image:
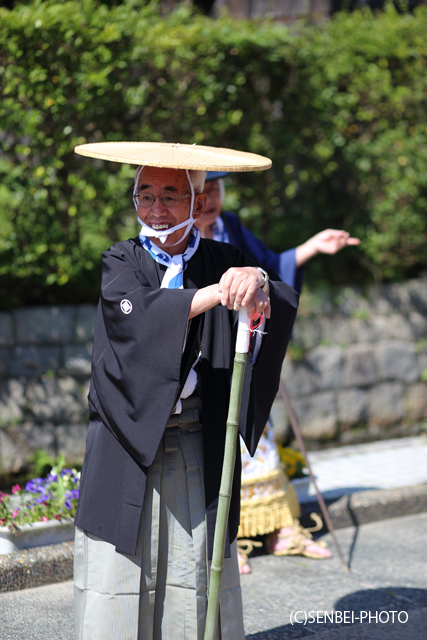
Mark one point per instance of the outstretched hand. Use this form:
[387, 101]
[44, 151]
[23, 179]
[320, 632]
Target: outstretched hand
[333, 240]
[328, 241]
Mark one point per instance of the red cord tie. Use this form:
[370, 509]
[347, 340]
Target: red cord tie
[256, 321]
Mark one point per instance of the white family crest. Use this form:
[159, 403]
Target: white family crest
[126, 306]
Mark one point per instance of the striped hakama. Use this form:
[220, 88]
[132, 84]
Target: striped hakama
[160, 593]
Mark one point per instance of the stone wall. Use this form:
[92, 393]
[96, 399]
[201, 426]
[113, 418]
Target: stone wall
[44, 381]
[356, 371]
[357, 367]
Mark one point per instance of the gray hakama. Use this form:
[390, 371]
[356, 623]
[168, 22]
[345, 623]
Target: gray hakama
[160, 593]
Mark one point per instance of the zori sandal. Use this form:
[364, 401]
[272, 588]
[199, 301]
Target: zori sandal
[296, 540]
[244, 548]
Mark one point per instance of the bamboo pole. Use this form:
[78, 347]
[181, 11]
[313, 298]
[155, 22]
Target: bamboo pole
[232, 430]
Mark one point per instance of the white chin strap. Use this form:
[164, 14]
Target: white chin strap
[162, 235]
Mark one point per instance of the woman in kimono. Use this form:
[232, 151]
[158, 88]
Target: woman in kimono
[269, 505]
[161, 366]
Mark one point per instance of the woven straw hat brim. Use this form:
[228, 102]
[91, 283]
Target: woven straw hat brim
[175, 156]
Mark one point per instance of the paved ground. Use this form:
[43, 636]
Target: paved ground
[388, 562]
[387, 464]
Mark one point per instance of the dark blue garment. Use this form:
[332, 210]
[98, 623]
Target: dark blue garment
[284, 264]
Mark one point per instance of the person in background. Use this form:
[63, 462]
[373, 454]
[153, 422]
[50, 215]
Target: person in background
[269, 505]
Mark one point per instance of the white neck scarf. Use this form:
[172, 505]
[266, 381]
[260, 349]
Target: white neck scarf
[219, 232]
[173, 278]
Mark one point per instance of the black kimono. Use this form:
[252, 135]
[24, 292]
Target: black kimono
[137, 367]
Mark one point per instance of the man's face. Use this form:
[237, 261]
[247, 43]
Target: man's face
[158, 181]
[213, 206]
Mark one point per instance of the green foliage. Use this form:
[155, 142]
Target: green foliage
[338, 106]
[42, 462]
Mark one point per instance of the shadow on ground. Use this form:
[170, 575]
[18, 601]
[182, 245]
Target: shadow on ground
[379, 603]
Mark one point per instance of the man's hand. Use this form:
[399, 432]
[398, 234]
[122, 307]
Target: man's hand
[241, 287]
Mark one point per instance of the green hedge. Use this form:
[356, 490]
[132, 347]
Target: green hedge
[338, 106]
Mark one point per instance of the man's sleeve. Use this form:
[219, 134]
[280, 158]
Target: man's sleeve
[262, 379]
[138, 346]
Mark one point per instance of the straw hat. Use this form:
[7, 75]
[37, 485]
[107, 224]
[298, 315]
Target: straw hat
[175, 156]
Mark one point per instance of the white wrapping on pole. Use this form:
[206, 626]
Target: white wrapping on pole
[243, 331]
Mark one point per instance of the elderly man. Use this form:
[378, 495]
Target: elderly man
[158, 400]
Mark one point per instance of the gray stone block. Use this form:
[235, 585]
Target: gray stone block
[35, 436]
[56, 400]
[386, 404]
[41, 325]
[298, 377]
[352, 407]
[422, 364]
[12, 402]
[337, 330]
[372, 329]
[315, 303]
[399, 327]
[71, 441]
[354, 435]
[279, 419]
[85, 322]
[32, 360]
[418, 322]
[418, 294]
[6, 329]
[17, 443]
[316, 415]
[327, 363]
[390, 298]
[416, 401]
[396, 361]
[306, 333]
[350, 301]
[359, 367]
[12, 457]
[4, 361]
[77, 359]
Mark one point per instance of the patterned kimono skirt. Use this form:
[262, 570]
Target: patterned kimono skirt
[160, 593]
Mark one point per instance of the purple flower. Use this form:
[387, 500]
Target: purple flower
[34, 485]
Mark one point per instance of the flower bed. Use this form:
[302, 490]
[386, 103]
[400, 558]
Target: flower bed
[42, 513]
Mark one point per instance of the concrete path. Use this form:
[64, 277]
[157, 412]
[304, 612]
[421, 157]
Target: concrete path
[387, 464]
[388, 562]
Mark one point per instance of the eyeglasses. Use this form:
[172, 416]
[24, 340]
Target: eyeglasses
[168, 200]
